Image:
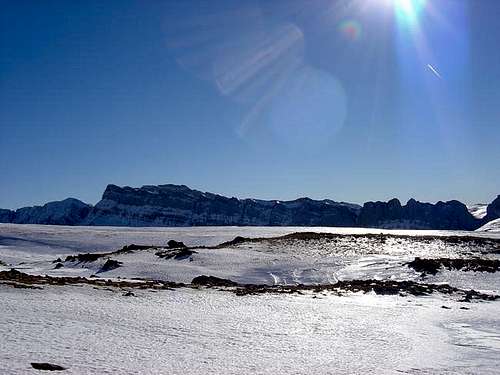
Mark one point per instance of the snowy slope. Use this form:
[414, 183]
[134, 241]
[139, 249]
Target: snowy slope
[478, 210]
[492, 226]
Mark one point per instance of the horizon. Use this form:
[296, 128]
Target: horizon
[352, 101]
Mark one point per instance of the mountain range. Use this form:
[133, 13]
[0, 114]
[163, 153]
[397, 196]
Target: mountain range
[178, 205]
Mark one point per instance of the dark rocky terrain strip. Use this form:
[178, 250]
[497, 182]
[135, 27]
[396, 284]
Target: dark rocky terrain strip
[381, 287]
[25, 280]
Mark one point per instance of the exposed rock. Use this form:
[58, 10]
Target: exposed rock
[212, 281]
[58, 265]
[172, 244]
[132, 247]
[110, 264]
[47, 367]
[14, 277]
[92, 257]
[237, 240]
[176, 253]
[383, 287]
[432, 266]
[87, 257]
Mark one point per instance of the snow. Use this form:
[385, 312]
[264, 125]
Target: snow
[98, 330]
[211, 332]
[478, 210]
[492, 226]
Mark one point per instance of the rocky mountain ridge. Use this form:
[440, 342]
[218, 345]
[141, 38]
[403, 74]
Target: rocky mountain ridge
[178, 205]
[69, 211]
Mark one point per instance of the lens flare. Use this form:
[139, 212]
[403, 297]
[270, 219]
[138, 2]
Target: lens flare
[351, 30]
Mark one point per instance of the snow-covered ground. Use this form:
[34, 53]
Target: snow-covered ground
[33, 248]
[98, 330]
[187, 331]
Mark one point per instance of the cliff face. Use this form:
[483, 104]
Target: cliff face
[178, 205]
[417, 215]
[6, 216]
[174, 205]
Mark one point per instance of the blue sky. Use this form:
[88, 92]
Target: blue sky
[349, 100]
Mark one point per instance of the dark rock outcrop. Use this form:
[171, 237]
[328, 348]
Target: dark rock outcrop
[176, 253]
[173, 244]
[110, 265]
[212, 281]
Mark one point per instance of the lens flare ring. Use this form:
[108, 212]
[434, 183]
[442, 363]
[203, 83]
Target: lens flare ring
[351, 29]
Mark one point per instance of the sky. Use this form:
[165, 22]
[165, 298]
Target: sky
[349, 100]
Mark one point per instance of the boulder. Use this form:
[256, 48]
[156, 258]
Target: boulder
[47, 366]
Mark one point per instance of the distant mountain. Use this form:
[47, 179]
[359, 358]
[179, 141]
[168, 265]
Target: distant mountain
[178, 205]
[417, 215]
[66, 212]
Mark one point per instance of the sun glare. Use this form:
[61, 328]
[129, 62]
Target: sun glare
[407, 11]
